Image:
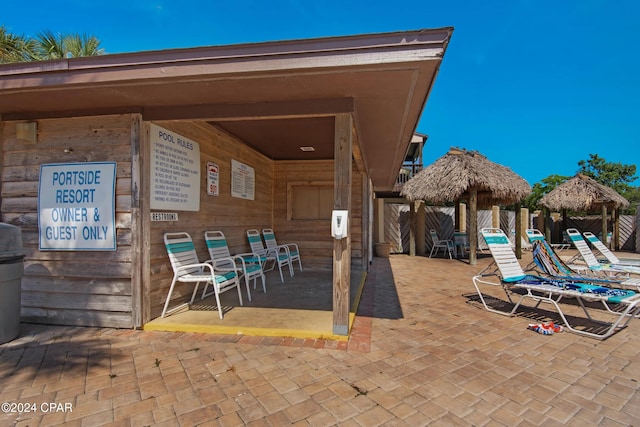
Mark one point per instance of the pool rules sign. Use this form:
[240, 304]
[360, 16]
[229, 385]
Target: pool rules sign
[76, 207]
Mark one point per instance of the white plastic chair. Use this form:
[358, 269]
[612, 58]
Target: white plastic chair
[447, 246]
[247, 265]
[279, 256]
[188, 269]
[292, 248]
[590, 259]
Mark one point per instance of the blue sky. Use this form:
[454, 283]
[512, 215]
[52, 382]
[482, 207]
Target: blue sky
[535, 85]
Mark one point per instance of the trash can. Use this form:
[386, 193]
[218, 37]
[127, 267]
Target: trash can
[11, 271]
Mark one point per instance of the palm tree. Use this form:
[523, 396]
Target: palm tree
[15, 48]
[47, 45]
[57, 46]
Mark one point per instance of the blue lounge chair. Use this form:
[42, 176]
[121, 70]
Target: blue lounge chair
[517, 284]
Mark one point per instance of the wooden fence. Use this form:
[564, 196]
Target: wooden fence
[441, 219]
[438, 218]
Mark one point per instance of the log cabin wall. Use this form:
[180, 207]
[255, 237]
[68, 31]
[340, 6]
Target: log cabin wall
[309, 223]
[94, 288]
[85, 288]
[231, 215]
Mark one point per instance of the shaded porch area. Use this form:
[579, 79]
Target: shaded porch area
[299, 307]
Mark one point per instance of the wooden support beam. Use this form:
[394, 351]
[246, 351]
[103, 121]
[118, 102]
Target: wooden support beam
[342, 201]
[518, 236]
[367, 221]
[140, 225]
[605, 226]
[616, 229]
[495, 216]
[379, 221]
[413, 227]
[420, 229]
[462, 207]
[473, 227]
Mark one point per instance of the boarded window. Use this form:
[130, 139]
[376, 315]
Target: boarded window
[310, 201]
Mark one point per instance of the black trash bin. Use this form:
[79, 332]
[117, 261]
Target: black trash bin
[11, 271]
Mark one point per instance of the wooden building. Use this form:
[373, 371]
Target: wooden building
[307, 126]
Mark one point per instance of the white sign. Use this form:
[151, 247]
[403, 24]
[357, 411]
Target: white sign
[242, 180]
[76, 207]
[213, 176]
[175, 171]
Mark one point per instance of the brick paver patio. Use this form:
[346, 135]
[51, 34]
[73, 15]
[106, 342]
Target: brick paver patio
[422, 352]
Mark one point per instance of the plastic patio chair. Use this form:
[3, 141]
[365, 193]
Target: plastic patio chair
[188, 269]
[447, 246]
[278, 256]
[292, 248]
[592, 262]
[461, 242]
[247, 265]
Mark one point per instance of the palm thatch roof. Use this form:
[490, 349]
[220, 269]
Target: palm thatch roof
[454, 175]
[582, 193]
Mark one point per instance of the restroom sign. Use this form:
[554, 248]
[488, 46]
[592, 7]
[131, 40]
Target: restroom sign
[76, 207]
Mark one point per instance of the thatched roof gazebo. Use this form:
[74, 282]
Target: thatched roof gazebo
[468, 175]
[582, 193]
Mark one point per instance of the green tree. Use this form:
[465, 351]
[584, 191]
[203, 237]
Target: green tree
[614, 175]
[56, 46]
[47, 45]
[14, 48]
[541, 188]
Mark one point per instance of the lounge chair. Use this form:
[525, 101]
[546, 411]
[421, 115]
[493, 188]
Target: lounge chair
[278, 256]
[534, 234]
[188, 269]
[592, 262]
[517, 284]
[247, 265]
[447, 246]
[604, 250]
[292, 248]
[550, 264]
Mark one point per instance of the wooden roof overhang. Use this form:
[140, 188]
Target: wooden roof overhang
[274, 96]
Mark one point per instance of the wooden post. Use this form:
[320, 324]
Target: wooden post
[379, 220]
[495, 216]
[420, 229]
[140, 226]
[413, 227]
[604, 225]
[473, 226]
[524, 223]
[367, 201]
[547, 224]
[342, 201]
[616, 229]
[518, 236]
[463, 216]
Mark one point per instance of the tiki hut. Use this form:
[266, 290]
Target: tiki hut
[462, 175]
[582, 193]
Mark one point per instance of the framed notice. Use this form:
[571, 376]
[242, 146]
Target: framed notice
[175, 171]
[76, 207]
[213, 176]
[242, 181]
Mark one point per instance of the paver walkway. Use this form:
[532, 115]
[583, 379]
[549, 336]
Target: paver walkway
[422, 353]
